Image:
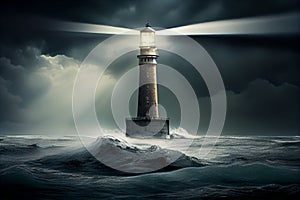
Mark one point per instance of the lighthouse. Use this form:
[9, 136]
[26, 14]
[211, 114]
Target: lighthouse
[147, 124]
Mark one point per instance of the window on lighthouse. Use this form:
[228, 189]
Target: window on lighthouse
[147, 39]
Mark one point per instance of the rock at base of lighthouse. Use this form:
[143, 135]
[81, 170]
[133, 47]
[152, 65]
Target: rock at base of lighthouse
[147, 128]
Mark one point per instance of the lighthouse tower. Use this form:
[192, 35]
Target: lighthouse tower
[147, 124]
[148, 102]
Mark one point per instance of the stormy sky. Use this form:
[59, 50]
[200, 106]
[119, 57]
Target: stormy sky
[38, 64]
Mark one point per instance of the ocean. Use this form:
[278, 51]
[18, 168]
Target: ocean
[238, 167]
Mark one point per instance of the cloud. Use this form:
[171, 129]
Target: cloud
[20, 82]
[261, 109]
[39, 99]
[9, 103]
[38, 96]
[134, 14]
[264, 108]
[243, 60]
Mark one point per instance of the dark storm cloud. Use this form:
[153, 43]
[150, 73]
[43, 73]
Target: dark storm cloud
[134, 14]
[18, 86]
[243, 60]
[264, 106]
[18, 66]
[9, 103]
[260, 109]
[30, 85]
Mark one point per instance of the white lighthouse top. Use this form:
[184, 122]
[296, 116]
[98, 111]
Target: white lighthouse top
[147, 37]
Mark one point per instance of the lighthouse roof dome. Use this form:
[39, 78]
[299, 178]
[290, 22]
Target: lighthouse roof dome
[148, 28]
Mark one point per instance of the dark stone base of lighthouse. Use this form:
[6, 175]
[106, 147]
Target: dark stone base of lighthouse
[147, 128]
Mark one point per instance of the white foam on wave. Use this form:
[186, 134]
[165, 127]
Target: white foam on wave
[182, 133]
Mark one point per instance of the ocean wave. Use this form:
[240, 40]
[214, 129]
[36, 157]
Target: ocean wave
[47, 137]
[123, 156]
[18, 149]
[20, 175]
[287, 142]
[255, 173]
[119, 152]
[254, 180]
[120, 155]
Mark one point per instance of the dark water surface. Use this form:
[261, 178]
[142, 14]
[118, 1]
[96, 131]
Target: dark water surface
[39, 167]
